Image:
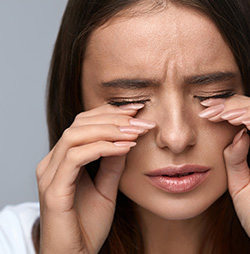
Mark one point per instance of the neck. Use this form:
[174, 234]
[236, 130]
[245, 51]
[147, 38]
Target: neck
[163, 236]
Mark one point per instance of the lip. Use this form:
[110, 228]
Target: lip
[190, 177]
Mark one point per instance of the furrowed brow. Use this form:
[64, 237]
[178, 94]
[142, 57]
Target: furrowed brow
[130, 83]
[210, 78]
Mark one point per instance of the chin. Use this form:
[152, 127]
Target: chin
[176, 207]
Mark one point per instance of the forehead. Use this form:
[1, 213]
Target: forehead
[173, 37]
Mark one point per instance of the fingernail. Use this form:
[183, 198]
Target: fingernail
[212, 102]
[131, 130]
[124, 144]
[134, 106]
[142, 123]
[213, 111]
[239, 135]
[233, 113]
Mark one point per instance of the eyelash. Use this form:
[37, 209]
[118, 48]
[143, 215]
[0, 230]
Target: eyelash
[224, 95]
[200, 98]
[125, 102]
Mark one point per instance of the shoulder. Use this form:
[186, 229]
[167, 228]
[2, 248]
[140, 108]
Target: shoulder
[15, 228]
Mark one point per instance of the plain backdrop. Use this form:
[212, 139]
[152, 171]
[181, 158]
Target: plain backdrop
[28, 29]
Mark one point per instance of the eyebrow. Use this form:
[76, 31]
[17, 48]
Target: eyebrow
[130, 83]
[210, 78]
[193, 80]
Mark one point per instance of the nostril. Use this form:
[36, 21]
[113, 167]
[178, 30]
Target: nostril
[176, 139]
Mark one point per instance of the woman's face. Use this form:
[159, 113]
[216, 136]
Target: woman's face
[171, 58]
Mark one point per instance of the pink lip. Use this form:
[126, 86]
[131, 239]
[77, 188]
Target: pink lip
[174, 179]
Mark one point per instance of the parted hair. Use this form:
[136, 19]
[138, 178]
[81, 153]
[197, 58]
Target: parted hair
[224, 233]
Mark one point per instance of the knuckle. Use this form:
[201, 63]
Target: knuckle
[42, 186]
[99, 146]
[52, 199]
[39, 170]
[38, 173]
[70, 156]
[79, 116]
[56, 201]
[100, 143]
[78, 121]
[102, 147]
[67, 135]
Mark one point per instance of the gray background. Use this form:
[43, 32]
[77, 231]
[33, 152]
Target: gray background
[28, 29]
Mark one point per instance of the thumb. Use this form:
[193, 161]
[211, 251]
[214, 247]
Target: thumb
[236, 163]
[108, 176]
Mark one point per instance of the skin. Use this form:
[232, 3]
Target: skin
[167, 47]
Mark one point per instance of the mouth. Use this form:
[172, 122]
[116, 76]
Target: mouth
[178, 179]
[180, 175]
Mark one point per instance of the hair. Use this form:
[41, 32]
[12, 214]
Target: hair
[232, 17]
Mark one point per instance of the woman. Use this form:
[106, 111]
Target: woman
[148, 97]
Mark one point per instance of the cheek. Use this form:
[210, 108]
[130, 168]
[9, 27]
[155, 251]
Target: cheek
[213, 138]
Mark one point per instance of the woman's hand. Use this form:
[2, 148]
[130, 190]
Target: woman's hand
[76, 212]
[235, 110]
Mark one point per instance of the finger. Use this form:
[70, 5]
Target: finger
[89, 117]
[118, 120]
[236, 116]
[212, 102]
[93, 208]
[236, 163]
[43, 164]
[40, 170]
[91, 133]
[62, 186]
[235, 101]
[233, 107]
[84, 135]
[246, 122]
[237, 120]
[212, 111]
[129, 109]
[216, 119]
[77, 136]
[115, 119]
[108, 176]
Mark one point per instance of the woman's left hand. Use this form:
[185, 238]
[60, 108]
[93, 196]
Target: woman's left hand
[235, 110]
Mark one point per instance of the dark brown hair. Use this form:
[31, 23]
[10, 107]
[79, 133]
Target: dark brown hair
[224, 233]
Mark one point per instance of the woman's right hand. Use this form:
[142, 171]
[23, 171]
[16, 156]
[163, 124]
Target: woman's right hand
[76, 212]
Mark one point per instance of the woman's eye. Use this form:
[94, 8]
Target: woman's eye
[121, 102]
[216, 96]
[125, 102]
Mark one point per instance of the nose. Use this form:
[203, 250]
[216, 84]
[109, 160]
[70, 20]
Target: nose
[175, 127]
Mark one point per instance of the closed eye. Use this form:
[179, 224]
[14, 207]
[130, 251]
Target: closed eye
[216, 96]
[121, 102]
[125, 102]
